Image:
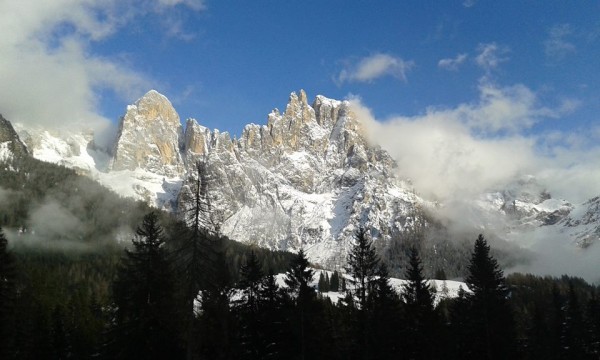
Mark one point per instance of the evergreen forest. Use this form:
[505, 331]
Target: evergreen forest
[176, 290]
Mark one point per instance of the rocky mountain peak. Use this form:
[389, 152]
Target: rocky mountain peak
[150, 137]
[10, 144]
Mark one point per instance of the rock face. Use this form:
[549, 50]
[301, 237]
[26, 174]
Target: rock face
[11, 146]
[149, 137]
[307, 179]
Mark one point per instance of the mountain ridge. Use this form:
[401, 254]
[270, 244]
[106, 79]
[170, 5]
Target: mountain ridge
[308, 178]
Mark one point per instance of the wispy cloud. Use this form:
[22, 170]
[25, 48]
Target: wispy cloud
[196, 5]
[452, 64]
[557, 46]
[469, 3]
[491, 55]
[375, 66]
[45, 49]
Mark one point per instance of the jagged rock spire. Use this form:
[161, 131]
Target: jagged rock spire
[150, 137]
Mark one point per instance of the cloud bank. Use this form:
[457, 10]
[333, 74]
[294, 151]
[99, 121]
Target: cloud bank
[463, 151]
[49, 76]
[454, 155]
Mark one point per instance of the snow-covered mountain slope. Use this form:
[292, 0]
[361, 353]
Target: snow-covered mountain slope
[11, 146]
[75, 149]
[308, 178]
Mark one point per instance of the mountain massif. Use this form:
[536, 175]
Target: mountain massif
[307, 179]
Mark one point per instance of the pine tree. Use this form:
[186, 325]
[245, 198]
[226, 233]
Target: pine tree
[7, 297]
[272, 318]
[572, 331]
[492, 332]
[214, 324]
[324, 283]
[421, 318]
[384, 318]
[362, 266]
[593, 324]
[460, 327]
[252, 341]
[145, 315]
[298, 279]
[335, 282]
[196, 253]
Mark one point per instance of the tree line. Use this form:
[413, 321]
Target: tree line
[160, 303]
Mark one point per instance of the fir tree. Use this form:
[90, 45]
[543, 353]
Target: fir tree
[324, 282]
[335, 282]
[362, 266]
[272, 318]
[572, 331]
[7, 297]
[298, 279]
[593, 324]
[196, 252]
[492, 335]
[421, 318]
[214, 325]
[145, 318]
[252, 341]
[384, 318]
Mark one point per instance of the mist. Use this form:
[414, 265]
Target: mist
[454, 155]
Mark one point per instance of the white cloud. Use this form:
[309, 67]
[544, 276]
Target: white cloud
[452, 64]
[491, 55]
[49, 74]
[448, 159]
[469, 3]
[376, 66]
[443, 158]
[462, 151]
[557, 45]
[192, 4]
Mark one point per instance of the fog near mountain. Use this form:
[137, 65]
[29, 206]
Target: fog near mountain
[455, 155]
[474, 147]
[552, 255]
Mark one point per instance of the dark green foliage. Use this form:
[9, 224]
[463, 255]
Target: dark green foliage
[8, 294]
[214, 326]
[252, 343]
[302, 307]
[59, 209]
[362, 266]
[335, 281]
[146, 316]
[324, 284]
[573, 334]
[491, 319]
[421, 320]
[298, 278]
[384, 318]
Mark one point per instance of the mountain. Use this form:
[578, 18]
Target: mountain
[11, 146]
[308, 178]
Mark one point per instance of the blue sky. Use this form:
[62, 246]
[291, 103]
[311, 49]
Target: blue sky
[232, 62]
[511, 74]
